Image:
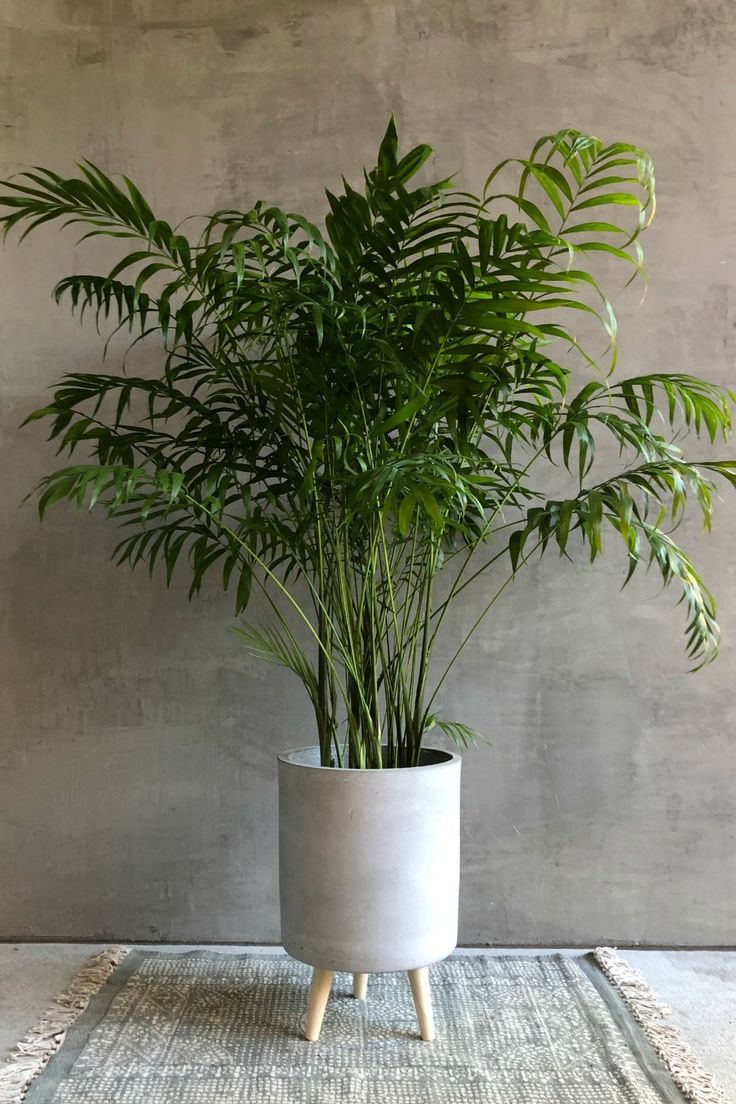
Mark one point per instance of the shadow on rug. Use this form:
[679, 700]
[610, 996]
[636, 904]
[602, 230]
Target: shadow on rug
[214, 1028]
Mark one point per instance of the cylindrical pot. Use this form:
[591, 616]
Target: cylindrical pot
[369, 862]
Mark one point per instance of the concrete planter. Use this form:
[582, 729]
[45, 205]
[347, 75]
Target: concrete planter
[369, 862]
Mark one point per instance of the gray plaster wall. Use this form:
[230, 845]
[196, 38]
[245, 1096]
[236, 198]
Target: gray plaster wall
[137, 740]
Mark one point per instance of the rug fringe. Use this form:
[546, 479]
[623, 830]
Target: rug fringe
[36, 1048]
[686, 1070]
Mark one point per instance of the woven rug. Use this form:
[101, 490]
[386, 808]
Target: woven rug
[216, 1028]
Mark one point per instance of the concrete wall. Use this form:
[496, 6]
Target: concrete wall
[137, 780]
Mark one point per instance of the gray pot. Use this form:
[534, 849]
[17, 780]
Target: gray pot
[369, 862]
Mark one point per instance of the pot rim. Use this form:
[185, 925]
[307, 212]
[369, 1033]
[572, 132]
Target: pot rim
[287, 757]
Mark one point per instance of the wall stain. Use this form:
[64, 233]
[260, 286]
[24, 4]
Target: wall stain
[79, 13]
[679, 46]
[230, 37]
[88, 54]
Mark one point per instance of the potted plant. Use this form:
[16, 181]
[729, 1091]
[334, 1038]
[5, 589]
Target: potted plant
[339, 417]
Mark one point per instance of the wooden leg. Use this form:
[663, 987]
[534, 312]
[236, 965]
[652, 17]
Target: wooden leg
[318, 995]
[419, 981]
[360, 986]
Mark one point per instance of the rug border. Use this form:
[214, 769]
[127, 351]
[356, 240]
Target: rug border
[651, 1064]
[30, 1057]
[673, 1071]
[41, 1089]
[652, 1016]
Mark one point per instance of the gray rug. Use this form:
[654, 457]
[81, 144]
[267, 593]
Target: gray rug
[216, 1028]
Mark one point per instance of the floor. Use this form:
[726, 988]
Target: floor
[699, 987]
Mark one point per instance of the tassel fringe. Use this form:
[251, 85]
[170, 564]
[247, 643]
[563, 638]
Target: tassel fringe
[37, 1047]
[686, 1070]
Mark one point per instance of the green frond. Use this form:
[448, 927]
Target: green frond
[341, 410]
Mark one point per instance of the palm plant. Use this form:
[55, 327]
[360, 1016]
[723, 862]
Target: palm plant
[339, 417]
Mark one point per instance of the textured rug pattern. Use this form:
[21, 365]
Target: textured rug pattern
[211, 1028]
